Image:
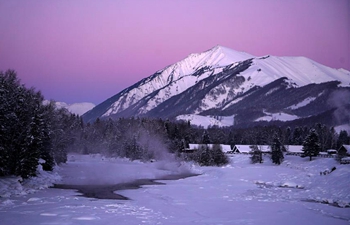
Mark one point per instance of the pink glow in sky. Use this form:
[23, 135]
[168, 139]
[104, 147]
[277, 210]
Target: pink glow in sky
[75, 51]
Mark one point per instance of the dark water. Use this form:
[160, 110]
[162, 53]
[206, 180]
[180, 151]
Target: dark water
[106, 191]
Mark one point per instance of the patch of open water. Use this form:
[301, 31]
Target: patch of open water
[107, 191]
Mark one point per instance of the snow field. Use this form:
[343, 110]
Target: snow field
[281, 116]
[243, 193]
[240, 193]
[207, 121]
[15, 186]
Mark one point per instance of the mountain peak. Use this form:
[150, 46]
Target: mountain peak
[218, 80]
[223, 56]
[221, 48]
[217, 56]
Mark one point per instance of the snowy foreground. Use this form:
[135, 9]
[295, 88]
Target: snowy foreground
[241, 193]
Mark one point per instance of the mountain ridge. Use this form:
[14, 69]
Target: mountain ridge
[217, 80]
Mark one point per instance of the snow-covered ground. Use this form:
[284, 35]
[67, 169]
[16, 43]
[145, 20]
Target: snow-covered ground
[206, 121]
[277, 116]
[240, 193]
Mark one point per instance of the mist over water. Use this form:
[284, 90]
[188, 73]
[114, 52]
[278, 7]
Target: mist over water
[146, 147]
[99, 177]
[99, 170]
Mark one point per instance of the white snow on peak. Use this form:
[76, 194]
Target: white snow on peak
[178, 77]
[223, 56]
[344, 71]
[299, 70]
[218, 56]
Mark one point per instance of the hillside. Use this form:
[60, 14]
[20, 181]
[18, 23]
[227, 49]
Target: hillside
[222, 82]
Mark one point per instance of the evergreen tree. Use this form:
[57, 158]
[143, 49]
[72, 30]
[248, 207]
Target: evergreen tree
[205, 158]
[133, 149]
[297, 136]
[323, 135]
[219, 158]
[23, 132]
[276, 151]
[343, 138]
[231, 139]
[311, 145]
[332, 138]
[256, 154]
[287, 136]
[60, 135]
[205, 138]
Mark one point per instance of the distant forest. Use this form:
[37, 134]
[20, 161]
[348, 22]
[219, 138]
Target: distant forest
[35, 134]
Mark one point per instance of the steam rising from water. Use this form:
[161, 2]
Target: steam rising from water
[164, 160]
[98, 170]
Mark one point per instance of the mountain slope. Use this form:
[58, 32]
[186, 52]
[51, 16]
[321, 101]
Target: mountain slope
[223, 82]
[170, 81]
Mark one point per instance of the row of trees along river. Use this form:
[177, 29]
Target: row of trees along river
[34, 133]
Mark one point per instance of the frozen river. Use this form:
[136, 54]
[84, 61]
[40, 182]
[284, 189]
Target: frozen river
[241, 193]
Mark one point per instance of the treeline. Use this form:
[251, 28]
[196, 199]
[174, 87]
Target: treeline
[31, 133]
[147, 138]
[265, 135]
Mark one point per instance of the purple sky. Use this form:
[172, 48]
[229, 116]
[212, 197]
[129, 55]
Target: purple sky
[75, 51]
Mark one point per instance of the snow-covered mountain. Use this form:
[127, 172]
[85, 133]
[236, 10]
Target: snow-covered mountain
[225, 83]
[76, 108]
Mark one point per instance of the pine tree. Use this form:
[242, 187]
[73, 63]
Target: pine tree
[133, 149]
[276, 151]
[297, 136]
[205, 138]
[332, 139]
[46, 152]
[256, 154]
[205, 158]
[23, 129]
[311, 145]
[29, 130]
[343, 138]
[287, 136]
[219, 158]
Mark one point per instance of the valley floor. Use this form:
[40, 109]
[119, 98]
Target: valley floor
[240, 193]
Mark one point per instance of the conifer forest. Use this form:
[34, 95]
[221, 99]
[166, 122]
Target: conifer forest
[33, 132]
